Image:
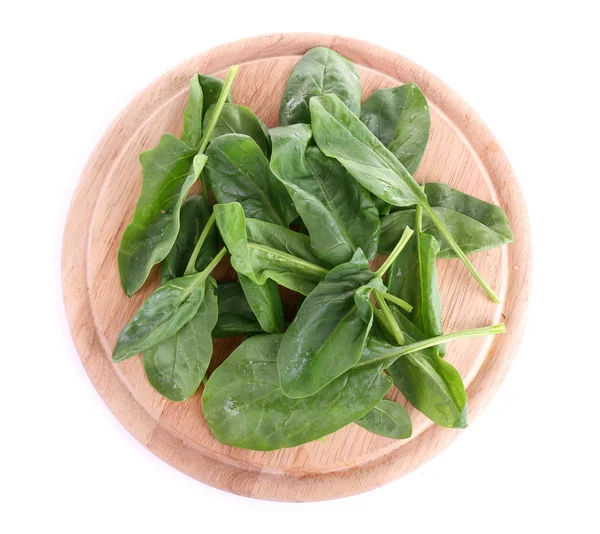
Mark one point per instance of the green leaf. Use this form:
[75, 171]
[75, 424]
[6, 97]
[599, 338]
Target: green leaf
[204, 93]
[328, 334]
[475, 225]
[193, 218]
[262, 250]
[265, 302]
[338, 212]
[238, 171]
[400, 119]
[319, 72]
[236, 317]
[388, 419]
[161, 315]
[176, 366]
[430, 384]
[413, 278]
[340, 135]
[244, 406]
[241, 120]
[169, 171]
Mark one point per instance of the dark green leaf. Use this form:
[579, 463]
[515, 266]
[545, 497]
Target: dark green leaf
[176, 366]
[340, 135]
[338, 212]
[265, 302]
[238, 171]
[169, 171]
[262, 250]
[388, 419]
[239, 119]
[413, 278]
[474, 224]
[399, 118]
[161, 315]
[244, 406]
[204, 93]
[328, 334]
[193, 217]
[319, 72]
[430, 383]
[236, 317]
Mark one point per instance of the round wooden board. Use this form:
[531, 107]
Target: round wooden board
[462, 152]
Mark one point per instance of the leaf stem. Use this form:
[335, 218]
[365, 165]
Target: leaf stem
[213, 122]
[397, 249]
[389, 318]
[218, 108]
[398, 302]
[393, 353]
[284, 257]
[191, 266]
[215, 261]
[448, 236]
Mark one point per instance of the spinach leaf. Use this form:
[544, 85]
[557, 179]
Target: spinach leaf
[388, 419]
[192, 115]
[164, 313]
[169, 171]
[341, 135]
[319, 72]
[244, 406]
[429, 383]
[238, 171]
[203, 94]
[413, 278]
[265, 302]
[262, 250]
[338, 212]
[327, 335]
[236, 317]
[176, 366]
[399, 118]
[240, 119]
[475, 225]
[193, 217]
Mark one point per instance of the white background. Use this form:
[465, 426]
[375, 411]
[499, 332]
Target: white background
[528, 464]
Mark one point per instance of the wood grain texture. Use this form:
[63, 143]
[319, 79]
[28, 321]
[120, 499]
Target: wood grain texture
[462, 152]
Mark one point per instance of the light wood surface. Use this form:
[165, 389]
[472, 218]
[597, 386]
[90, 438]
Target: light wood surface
[462, 152]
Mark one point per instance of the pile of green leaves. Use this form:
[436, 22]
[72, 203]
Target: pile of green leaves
[305, 206]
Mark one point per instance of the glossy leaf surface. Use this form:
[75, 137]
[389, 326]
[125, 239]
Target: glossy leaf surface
[176, 366]
[432, 385]
[238, 171]
[475, 225]
[338, 212]
[399, 118]
[413, 278]
[388, 419]
[262, 250]
[340, 134]
[236, 317]
[161, 315]
[265, 302]
[193, 217]
[319, 72]
[241, 120]
[329, 332]
[244, 406]
[169, 171]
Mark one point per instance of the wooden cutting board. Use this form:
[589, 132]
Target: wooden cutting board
[462, 152]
